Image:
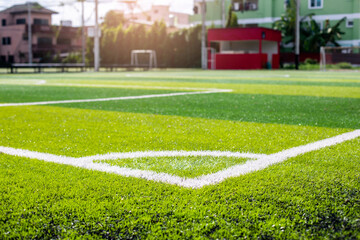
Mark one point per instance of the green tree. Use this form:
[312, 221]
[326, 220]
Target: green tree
[194, 47]
[157, 40]
[286, 24]
[72, 58]
[312, 37]
[119, 45]
[114, 19]
[232, 20]
[89, 56]
[177, 49]
[333, 33]
[107, 44]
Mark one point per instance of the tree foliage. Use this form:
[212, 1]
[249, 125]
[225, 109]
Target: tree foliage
[113, 19]
[232, 20]
[178, 49]
[312, 37]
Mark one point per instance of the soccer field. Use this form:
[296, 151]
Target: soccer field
[180, 154]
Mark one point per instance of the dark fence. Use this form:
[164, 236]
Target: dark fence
[353, 58]
[290, 57]
[39, 67]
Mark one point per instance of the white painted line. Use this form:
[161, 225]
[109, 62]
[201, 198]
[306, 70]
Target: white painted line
[113, 99]
[23, 81]
[31, 82]
[113, 156]
[271, 159]
[262, 162]
[135, 86]
[41, 82]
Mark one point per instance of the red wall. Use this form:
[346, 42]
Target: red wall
[243, 61]
[275, 61]
[240, 61]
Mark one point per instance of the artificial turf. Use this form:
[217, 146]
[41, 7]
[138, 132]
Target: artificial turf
[23, 93]
[312, 196]
[315, 196]
[81, 132]
[293, 110]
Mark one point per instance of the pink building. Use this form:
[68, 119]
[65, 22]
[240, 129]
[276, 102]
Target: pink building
[47, 40]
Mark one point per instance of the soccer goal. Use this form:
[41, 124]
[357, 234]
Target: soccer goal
[347, 56]
[143, 58]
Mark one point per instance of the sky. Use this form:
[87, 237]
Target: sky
[71, 9]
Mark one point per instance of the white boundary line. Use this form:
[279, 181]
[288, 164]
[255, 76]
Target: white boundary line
[114, 156]
[261, 162]
[34, 82]
[131, 86]
[114, 98]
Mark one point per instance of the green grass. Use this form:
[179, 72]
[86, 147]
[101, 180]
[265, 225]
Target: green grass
[255, 82]
[312, 196]
[16, 93]
[294, 110]
[78, 132]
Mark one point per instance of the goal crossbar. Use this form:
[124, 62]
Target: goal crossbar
[334, 55]
[152, 57]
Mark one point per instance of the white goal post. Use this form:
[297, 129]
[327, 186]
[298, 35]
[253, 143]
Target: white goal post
[152, 58]
[212, 58]
[335, 55]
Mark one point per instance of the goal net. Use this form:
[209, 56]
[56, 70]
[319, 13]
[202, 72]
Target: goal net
[348, 56]
[143, 58]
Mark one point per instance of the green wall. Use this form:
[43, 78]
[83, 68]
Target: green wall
[268, 10]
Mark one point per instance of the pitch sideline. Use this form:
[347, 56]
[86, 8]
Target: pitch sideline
[115, 98]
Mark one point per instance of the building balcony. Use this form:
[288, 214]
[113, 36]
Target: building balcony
[62, 48]
[43, 48]
[42, 29]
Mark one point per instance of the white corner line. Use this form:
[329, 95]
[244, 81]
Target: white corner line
[114, 98]
[181, 153]
[261, 161]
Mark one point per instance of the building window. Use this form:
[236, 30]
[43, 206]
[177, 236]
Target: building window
[349, 23]
[44, 41]
[63, 41]
[20, 21]
[39, 21]
[6, 41]
[3, 22]
[11, 58]
[245, 5]
[314, 4]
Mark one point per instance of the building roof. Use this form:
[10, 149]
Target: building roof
[243, 34]
[23, 8]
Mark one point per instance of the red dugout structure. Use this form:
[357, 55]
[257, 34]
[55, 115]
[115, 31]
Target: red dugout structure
[243, 48]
